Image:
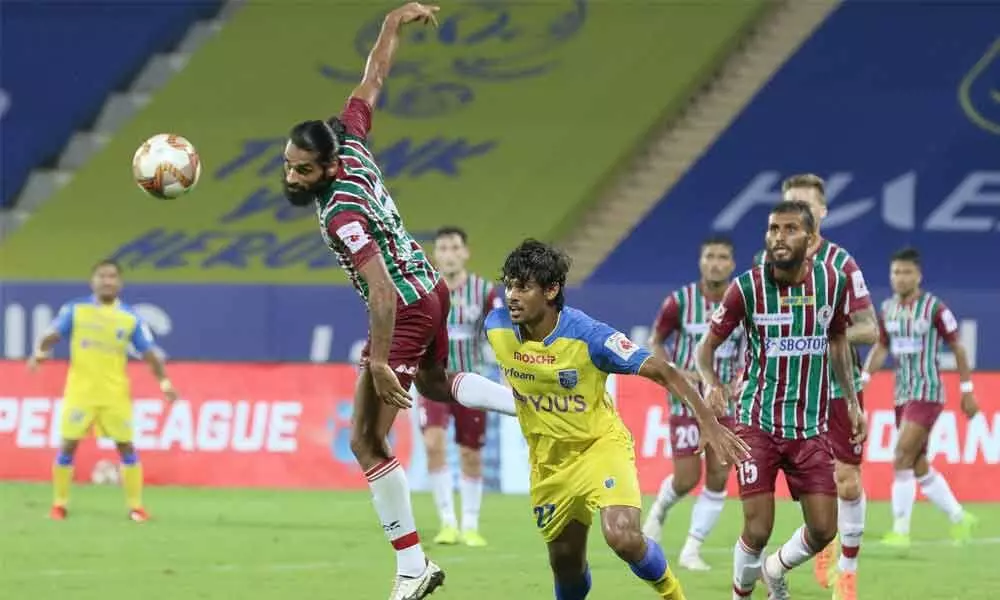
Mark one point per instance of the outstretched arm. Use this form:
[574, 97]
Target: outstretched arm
[381, 56]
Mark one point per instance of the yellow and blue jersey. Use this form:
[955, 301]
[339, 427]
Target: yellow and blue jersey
[559, 382]
[99, 336]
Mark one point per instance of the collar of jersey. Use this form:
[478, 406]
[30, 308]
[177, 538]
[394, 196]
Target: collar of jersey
[548, 339]
[96, 302]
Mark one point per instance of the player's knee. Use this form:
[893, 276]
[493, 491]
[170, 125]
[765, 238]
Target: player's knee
[848, 479]
[567, 565]
[472, 461]
[362, 447]
[756, 535]
[904, 457]
[821, 533]
[716, 478]
[625, 541]
[68, 448]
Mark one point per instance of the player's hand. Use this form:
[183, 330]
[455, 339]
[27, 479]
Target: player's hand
[415, 11]
[969, 405]
[728, 446]
[169, 392]
[693, 377]
[859, 423]
[387, 386]
[35, 361]
[717, 397]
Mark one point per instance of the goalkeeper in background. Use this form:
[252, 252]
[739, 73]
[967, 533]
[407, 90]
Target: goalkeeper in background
[100, 329]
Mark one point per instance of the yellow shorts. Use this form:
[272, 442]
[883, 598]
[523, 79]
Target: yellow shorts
[113, 421]
[603, 474]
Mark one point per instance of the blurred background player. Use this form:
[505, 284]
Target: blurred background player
[329, 165]
[557, 360]
[795, 315]
[862, 330]
[913, 324]
[472, 298]
[100, 329]
[686, 312]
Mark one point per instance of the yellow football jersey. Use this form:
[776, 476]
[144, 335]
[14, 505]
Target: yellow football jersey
[559, 383]
[99, 336]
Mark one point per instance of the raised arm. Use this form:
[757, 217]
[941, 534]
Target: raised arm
[381, 56]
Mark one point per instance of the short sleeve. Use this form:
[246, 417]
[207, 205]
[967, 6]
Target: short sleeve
[63, 323]
[858, 298]
[838, 323]
[350, 227]
[668, 318]
[142, 337]
[357, 117]
[945, 323]
[730, 313]
[612, 352]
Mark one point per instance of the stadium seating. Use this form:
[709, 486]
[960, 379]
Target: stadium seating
[503, 120]
[90, 50]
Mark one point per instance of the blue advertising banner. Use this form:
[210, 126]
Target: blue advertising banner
[60, 60]
[904, 127]
[329, 323]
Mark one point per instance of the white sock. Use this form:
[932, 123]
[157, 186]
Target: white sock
[441, 489]
[704, 516]
[391, 496]
[471, 491]
[904, 492]
[666, 497]
[746, 570]
[851, 522]
[792, 553]
[937, 490]
[475, 391]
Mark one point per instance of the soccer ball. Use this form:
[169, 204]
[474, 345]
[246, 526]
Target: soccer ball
[105, 473]
[166, 166]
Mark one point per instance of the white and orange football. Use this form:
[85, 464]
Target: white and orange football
[166, 166]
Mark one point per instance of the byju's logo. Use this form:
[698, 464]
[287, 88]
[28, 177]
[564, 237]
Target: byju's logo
[477, 42]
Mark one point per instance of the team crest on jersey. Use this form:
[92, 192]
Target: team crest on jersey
[921, 326]
[825, 315]
[568, 378]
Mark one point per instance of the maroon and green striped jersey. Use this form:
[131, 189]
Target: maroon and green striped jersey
[359, 220]
[858, 297]
[686, 313]
[786, 390]
[913, 330]
[470, 303]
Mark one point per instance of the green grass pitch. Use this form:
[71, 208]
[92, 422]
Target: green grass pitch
[257, 545]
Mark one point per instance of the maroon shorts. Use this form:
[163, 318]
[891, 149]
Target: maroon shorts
[840, 432]
[420, 338]
[919, 412]
[685, 434]
[470, 423]
[807, 464]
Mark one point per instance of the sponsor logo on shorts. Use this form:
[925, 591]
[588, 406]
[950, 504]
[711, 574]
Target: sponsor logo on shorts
[534, 359]
[512, 373]
[552, 403]
[795, 346]
[406, 369]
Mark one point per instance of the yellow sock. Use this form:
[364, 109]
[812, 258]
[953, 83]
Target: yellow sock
[62, 479]
[132, 484]
[669, 586]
